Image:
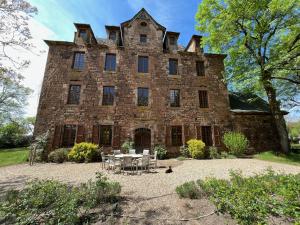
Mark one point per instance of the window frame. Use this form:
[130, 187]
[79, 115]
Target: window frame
[84, 37]
[143, 38]
[176, 102]
[67, 137]
[172, 40]
[206, 135]
[200, 68]
[110, 35]
[71, 101]
[140, 103]
[110, 65]
[203, 99]
[173, 62]
[78, 63]
[102, 128]
[107, 100]
[176, 135]
[143, 64]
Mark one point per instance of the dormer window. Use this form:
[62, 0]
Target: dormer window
[143, 24]
[83, 34]
[112, 35]
[172, 40]
[143, 38]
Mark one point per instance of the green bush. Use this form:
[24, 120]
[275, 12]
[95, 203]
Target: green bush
[85, 152]
[184, 151]
[127, 145]
[196, 148]
[236, 142]
[58, 155]
[252, 200]
[214, 153]
[51, 202]
[161, 151]
[189, 190]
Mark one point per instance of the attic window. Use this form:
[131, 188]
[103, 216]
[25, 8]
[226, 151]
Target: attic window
[172, 40]
[83, 34]
[143, 24]
[112, 35]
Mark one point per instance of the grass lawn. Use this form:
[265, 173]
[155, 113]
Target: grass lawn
[13, 156]
[292, 158]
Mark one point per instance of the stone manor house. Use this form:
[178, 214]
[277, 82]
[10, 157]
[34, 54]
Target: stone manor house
[140, 84]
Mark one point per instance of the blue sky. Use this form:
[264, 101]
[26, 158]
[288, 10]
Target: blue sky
[59, 15]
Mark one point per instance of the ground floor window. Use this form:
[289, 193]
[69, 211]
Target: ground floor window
[69, 135]
[206, 135]
[105, 135]
[176, 134]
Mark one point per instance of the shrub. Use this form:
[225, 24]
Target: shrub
[59, 155]
[236, 142]
[189, 190]
[161, 151]
[196, 148]
[127, 145]
[184, 151]
[51, 202]
[214, 153]
[85, 152]
[181, 158]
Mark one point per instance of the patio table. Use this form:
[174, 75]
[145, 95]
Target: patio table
[136, 156]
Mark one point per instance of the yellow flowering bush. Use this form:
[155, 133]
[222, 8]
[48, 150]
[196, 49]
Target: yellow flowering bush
[196, 148]
[84, 152]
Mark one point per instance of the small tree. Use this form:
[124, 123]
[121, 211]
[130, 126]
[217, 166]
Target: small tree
[236, 142]
[127, 145]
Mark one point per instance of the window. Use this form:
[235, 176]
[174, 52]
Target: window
[78, 62]
[108, 95]
[112, 35]
[83, 34]
[172, 40]
[110, 62]
[143, 24]
[203, 99]
[175, 98]
[173, 64]
[143, 96]
[143, 64]
[69, 134]
[200, 68]
[176, 134]
[143, 38]
[74, 94]
[105, 135]
[206, 135]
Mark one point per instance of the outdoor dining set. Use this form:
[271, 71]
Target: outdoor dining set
[130, 162]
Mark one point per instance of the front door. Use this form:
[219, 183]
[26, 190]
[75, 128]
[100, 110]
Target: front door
[142, 139]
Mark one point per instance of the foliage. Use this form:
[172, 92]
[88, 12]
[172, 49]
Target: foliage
[184, 151]
[13, 156]
[226, 155]
[51, 202]
[291, 158]
[294, 130]
[189, 190]
[181, 158]
[127, 145]
[236, 142]
[58, 155]
[251, 200]
[214, 153]
[38, 147]
[85, 152]
[261, 38]
[161, 151]
[196, 148]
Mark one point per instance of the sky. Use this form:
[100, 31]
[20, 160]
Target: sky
[55, 19]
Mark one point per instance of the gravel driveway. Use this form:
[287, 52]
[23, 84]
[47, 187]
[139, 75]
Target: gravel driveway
[142, 187]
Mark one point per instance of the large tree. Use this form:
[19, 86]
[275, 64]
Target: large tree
[261, 38]
[14, 37]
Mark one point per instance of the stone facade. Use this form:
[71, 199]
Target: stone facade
[124, 116]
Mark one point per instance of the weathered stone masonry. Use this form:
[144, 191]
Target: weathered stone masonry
[125, 117]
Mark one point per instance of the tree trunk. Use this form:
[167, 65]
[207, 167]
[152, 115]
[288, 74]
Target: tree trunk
[277, 116]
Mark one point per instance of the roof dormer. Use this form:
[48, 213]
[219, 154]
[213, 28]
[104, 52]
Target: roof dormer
[113, 34]
[171, 40]
[84, 34]
[194, 44]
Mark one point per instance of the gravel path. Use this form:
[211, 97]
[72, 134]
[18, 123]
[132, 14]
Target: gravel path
[140, 187]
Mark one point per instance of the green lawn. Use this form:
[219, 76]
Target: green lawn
[13, 156]
[292, 158]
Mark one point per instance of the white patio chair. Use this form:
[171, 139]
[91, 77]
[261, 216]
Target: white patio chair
[117, 152]
[113, 163]
[129, 163]
[132, 151]
[146, 152]
[153, 160]
[144, 162]
[104, 160]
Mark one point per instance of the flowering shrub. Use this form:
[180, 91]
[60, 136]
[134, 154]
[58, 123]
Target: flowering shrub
[84, 152]
[196, 148]
[236, 142]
